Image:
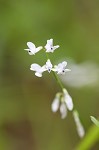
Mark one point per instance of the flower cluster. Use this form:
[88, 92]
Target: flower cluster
[62, 101]
[59, 69]
[49, 47]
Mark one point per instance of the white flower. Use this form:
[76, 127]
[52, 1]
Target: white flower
[32, 48]
[61, 68]
[48, 65]
[80, 128]
[49, 46]
[38, 69]
[63, 110]
[55, 104]
[68, 100]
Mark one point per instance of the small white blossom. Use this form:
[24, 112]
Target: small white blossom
[68, 100]
[38, 69]
[32, 49]
[48, 65]
[55, 104]
[80, 129]
[61, 68]
[63, 110]
[49, 46]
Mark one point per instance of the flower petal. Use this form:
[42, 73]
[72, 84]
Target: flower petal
[68, 101]
[55, 47]
[38, 74]
[35, 67]
[49, 46]
[55, 104]
[63, 110]
[50, 42]
[44, 68]
[64, 63]
[61, 68]
[49, 65]
[66, 70]
[38, 48]
[31, 45]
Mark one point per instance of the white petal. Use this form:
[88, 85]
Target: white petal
[63, 110]
[64, 63]
[66, 70]
[48, 65]
[55, 104]
[49, 46]
[38, 74]
[68, 101]
[38, 48]
[50, 42]
[44, 68]
[35, 67]
[55, 47]
[61, 68]
[26, 49]
[31, 45]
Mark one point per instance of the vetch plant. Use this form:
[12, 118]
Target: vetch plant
[62, 101]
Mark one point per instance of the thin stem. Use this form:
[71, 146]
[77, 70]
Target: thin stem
[47, 56]
[58, 80]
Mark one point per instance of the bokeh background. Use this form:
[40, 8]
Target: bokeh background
[26, 119]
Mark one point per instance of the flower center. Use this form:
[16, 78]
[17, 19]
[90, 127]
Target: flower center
[63, 71]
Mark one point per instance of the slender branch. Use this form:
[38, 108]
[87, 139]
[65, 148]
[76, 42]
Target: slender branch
[58, 80]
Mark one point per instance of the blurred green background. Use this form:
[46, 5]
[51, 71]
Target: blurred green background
[26, 120]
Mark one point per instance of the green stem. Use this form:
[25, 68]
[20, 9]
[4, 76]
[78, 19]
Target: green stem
[47, 56]
[58, 80]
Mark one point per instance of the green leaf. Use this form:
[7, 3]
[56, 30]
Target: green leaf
[94, 120]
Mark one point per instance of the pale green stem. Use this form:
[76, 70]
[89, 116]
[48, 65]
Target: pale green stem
[58, 80]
